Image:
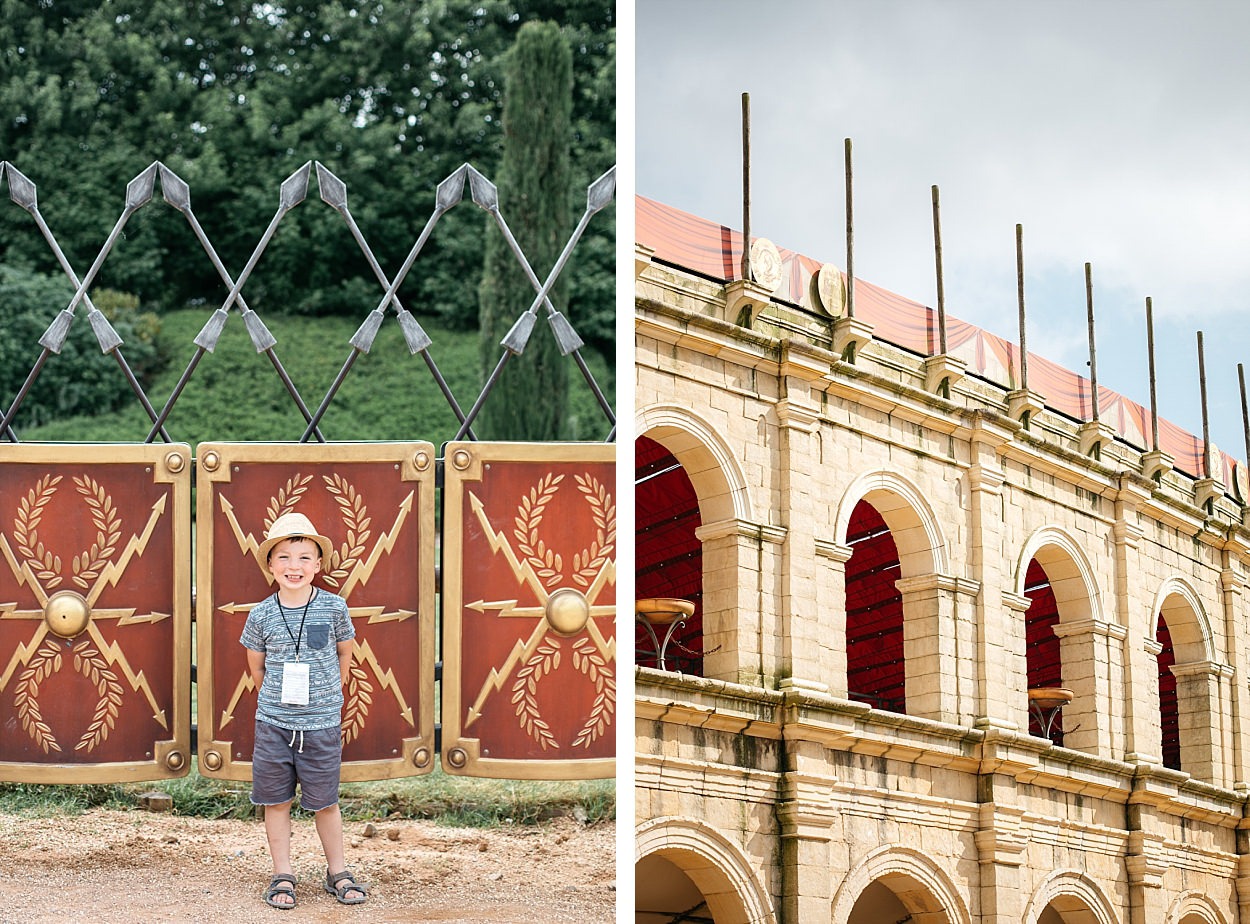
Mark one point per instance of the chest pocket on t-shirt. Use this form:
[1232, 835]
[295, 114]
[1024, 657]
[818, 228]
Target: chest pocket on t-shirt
[318, 635]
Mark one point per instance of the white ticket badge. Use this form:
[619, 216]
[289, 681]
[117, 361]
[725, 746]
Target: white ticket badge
[295, 684]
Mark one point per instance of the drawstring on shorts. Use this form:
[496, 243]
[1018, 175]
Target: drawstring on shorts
[301, 740]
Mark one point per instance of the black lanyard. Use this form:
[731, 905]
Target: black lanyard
[312, 592]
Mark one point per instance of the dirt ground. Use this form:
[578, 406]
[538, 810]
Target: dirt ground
[119, 867]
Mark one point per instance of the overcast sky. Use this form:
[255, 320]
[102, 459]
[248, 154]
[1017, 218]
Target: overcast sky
[1117, 133]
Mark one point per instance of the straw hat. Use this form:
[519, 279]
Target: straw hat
[292, 526]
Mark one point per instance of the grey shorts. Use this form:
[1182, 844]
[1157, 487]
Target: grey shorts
[282, 757]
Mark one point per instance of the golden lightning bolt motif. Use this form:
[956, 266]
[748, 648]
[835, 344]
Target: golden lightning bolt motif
[22, 655]
[245, 685]
[113, 571]
[385, 678]
[247, 542]
[523, 570]
[521, 651]
[22, 572]
[386, 542]
[114, 655]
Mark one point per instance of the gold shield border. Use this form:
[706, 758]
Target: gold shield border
[415, 462]
[168, 463]
[462, 465]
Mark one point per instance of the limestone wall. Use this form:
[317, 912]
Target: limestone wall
[806, 799]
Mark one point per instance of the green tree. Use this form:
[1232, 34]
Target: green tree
[234, 97]
[80, 379]
[529, 401]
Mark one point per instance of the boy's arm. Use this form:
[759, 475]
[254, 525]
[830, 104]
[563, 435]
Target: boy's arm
[256, 667]
[345, 660]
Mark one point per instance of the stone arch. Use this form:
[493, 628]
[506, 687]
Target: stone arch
[729, 544]
[718, 867]
[713, 468]
[923, 616]
[1068, 568]
[924, 889]
[1190, 701]
[1075, 896]
[1179, 604]
[905, 509]
[1090, 658]
[1194, 908]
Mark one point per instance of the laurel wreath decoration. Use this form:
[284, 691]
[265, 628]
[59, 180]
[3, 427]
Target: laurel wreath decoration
[586, 564]
[359, 698]
[546, 562]
[587, 660]
[356, 518]
[108, 524]
[525, 692]
[26, 697]
[42, 562]
[287, 497]
[91, 664]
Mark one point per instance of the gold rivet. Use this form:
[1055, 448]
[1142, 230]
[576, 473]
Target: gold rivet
[461, 459]
[174, 461]
[211, 461]
[174, 760]
[421, 460]
[421, 758]
[212, 760]
[457, 758]
[66, 613]
[567, 611]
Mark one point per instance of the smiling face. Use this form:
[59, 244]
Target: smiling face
[294, 563]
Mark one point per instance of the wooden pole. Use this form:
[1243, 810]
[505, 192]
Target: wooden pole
[850, 235]
[1245, 413]
[937, 253]
[1150, 349]
[1024, 348]
[746, 186]
[1093, 354]
[1206, 430]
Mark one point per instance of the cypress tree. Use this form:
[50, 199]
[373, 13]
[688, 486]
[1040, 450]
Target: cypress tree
[529, 401]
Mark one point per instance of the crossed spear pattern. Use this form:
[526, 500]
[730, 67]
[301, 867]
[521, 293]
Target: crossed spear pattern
[93, 570]
[293, 191]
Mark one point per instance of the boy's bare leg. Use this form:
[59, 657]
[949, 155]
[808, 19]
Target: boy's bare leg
[329, 822]
[278, 833]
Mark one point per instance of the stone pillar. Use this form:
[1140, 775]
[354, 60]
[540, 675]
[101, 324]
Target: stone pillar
[1091, 651]
[831, 588]
[1000, 841]
[805, 815]
[803, 636]
[1198, 703]
[1141, 675]
[1000, 666]
[1009, 696]
[1233, 585]
[739, 612]
[939, 644]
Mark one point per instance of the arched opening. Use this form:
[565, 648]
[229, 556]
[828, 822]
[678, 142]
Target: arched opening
[1043, 661]
[896, 898]
[878, 905]
[668, 556]
[1068, 909]
[876, 671]
[1169, 715]
[663, 893]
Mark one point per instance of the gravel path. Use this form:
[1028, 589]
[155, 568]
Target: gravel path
[119, 867]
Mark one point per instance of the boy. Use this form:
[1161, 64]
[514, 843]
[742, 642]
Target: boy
[299, 644]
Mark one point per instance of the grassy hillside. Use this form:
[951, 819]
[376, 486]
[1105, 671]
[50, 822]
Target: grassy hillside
[236, 394]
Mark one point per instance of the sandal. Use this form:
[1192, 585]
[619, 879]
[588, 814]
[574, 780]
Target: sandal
[279, 886]
[332, 886]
